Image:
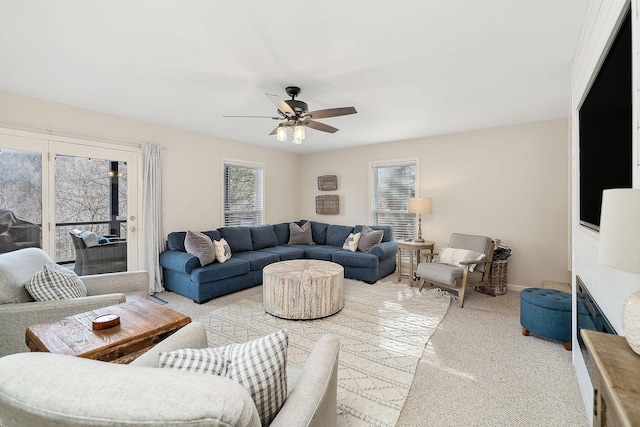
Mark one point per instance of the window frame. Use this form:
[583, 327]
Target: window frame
[259, 188]
[412, 224]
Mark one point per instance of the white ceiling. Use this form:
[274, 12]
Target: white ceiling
[411, 68]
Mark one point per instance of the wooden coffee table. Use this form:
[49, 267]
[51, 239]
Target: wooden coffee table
[143, 323]
[303, 289]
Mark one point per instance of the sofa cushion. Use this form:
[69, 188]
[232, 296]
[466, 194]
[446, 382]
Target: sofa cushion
[321, 252]
[258, 259]
[355, 259]
[55, 282]
[175, 241]
[258, 365]
[282, 233]
[369, 238]
[337, 234]
[300, 234]
[319, 232]
[217, 271]
[285, 253]
[263, 237]
[213, 235]
[200, 246]
[223, 251]
[239, 238]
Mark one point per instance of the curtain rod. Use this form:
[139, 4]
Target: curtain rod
[63, 133]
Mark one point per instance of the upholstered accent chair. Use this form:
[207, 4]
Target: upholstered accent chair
[466, 261]
[103, 258]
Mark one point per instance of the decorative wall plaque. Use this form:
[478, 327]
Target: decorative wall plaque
[328, 205]
[327, 182]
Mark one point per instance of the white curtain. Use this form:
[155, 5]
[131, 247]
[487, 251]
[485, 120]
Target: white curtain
[152, 214]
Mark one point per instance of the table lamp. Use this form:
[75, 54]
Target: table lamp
[620, 248]
[419, 206]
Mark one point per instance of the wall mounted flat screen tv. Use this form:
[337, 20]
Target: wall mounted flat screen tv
[605, 126]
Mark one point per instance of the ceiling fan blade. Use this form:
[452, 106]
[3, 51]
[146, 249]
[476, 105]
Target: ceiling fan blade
[331, 112]
[259, 117]
[320, 126]
[282, 106]
[274, 131]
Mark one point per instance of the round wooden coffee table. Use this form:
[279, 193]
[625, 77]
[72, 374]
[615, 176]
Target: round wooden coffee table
[303, 289]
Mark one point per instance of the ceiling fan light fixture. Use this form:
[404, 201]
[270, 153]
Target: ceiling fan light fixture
[297, 141]
[298, 132]
[281, 133]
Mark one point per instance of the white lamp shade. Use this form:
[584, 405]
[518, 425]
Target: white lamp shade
[420, 205]
[619, 245]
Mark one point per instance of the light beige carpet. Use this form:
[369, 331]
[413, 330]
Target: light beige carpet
[383, 330]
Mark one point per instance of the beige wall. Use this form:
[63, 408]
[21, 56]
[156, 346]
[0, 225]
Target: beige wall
[509, 183]
[192, 173]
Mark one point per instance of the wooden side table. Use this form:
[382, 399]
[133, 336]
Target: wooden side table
[414, 248]
[616, 384]
[143, 324]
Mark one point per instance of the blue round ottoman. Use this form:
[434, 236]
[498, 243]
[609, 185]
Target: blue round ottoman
[546, 313]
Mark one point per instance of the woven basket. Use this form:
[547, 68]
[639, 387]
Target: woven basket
[497, 278]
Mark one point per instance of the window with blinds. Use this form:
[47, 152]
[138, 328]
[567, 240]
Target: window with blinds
[392, 183]
[242, 194]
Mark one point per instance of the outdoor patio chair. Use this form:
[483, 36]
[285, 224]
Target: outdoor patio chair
[102, 258]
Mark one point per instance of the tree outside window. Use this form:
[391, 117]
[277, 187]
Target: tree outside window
[243, 194]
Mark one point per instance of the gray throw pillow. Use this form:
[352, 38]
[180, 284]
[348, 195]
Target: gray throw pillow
[300, 235]
[369, 238]
[55, 282]
[200, 246]
[258, 365]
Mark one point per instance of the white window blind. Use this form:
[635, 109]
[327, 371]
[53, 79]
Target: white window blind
[242, 194]
[391, 185]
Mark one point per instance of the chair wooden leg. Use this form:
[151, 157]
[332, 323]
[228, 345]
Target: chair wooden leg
[463, 288]
[421, 284]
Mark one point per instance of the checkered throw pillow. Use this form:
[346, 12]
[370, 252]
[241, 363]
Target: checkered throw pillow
[258, 365]
[55, 282]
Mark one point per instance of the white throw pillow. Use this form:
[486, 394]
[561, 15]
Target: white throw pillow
[90, 238]
[454, 256]
[223, 251]
[55, 282]
[351, 243]
[258, 365]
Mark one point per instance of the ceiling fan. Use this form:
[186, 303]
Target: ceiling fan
[295, 114]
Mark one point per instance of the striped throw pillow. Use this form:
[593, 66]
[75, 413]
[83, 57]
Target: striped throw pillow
[258, 365]
[55, 282]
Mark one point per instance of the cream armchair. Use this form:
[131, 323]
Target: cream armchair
[470, 272]
[44, 389]
[18, 310]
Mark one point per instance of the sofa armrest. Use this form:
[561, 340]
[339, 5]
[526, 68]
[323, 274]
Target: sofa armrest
[192, 335]
[385, 250]
[179, 261]
[132, 283]
[15, 318]
[312, 401]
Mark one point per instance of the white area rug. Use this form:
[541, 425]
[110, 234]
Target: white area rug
[383, 329]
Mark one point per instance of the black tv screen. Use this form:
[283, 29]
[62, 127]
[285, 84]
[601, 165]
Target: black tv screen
[605, 126]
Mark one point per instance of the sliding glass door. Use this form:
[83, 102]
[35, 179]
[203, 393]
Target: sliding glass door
[81, 198]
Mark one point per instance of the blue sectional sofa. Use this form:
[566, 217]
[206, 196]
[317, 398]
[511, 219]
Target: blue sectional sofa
[253, 248]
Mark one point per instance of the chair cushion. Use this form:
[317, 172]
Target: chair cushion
[471, 242]
[258, 365]
[444, 273]
[55, 282]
